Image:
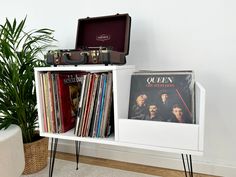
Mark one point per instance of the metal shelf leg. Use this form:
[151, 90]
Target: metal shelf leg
[77, 150]
[54, 142]
[189, 165]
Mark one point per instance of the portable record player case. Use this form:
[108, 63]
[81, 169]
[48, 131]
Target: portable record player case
[99, 40]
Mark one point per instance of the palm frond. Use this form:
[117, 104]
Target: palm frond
[20, 52]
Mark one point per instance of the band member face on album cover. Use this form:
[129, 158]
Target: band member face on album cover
[178, 112]
[141, 99]
[164, 97]
[152, 111]
[139, 109]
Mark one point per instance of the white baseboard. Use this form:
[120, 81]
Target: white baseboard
[151, 158]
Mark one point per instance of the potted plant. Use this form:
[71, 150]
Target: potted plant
[20, 52]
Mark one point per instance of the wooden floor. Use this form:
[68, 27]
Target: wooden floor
[126, 166]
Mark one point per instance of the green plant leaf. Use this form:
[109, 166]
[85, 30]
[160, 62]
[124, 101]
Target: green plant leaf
[20, 52]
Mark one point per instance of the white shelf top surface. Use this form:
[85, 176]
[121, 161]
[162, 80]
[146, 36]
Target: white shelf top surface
[85, 67]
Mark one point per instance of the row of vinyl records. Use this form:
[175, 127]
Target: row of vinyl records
[79, 100]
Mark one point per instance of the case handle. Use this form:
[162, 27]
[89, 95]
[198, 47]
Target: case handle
[83, 59]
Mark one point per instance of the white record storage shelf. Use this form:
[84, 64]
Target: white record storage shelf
[151, 135]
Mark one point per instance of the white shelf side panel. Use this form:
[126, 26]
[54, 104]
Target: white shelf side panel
[121, 90]
[200, 97]
[184, 137]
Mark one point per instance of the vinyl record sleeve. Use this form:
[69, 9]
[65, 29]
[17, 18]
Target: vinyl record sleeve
[162, 96]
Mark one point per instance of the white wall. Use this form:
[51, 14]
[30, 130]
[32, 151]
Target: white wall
[165, 35]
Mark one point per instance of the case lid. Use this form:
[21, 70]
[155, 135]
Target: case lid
[106, 31]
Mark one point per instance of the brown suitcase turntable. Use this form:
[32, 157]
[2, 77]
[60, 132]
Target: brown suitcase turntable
[100, 40]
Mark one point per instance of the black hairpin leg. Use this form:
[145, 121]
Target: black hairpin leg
[189, 165]
[52, 155]
[77, 150]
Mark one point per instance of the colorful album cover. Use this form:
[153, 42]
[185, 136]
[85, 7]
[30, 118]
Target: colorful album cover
[162, 96]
